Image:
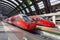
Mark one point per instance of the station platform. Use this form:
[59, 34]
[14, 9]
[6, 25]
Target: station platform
[9, 32]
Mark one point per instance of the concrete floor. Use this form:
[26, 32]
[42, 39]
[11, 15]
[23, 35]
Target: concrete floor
[9, 32]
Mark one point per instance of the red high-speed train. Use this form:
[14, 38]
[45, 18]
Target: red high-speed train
[27, 23]
[40, 21]
[22, 21]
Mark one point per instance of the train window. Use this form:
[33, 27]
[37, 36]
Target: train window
[27, 10]
[17, 18]
[40, 18]
[54, 2]
[12, 19]
[26, 18]
[33, 8]
[41, 5]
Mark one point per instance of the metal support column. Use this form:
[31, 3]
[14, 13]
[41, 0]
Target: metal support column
[53, 18]
[47, 5]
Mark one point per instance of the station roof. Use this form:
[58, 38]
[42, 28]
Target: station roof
[10, 7]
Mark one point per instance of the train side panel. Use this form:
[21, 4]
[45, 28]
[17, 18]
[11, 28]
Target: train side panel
[43, 22]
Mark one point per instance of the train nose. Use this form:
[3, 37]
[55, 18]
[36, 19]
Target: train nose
[32, 25]
[52, 24]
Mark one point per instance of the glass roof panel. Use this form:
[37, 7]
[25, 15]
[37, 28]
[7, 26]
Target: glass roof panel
[29, 2]
[20, 1]
[10, 3]
[15, 2]
[54, 2]
[41, 5]
[6, 4]
[33, 8]
[23, 11]
[21, 7]
[24, 5]
[27, 10]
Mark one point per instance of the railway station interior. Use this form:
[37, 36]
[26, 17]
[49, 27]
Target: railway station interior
[29, 19]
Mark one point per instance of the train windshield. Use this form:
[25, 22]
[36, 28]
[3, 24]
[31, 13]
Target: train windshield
[17, 18]
[39, 18]
[26, 18]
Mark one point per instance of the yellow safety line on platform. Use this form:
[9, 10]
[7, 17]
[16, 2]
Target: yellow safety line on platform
[48, 29]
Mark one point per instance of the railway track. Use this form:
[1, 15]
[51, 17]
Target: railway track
[31, 35]
[48, 29]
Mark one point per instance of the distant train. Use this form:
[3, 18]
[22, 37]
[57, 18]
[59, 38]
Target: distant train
[22, 21]
[40, 21]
